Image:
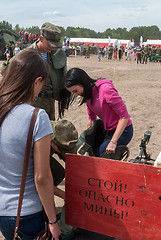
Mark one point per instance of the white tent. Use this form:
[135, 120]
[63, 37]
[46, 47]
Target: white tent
[95, 41]
[141, 41]
[152, 42]
[125, 43]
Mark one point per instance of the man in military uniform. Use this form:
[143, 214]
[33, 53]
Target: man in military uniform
[87, 51]
[138, 54]
[49, 47]
[110, 52]
[63, 140]
[158, 51]
[145, 54]
[153, 51]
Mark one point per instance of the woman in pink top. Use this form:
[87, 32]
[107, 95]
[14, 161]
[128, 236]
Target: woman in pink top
[102, 101]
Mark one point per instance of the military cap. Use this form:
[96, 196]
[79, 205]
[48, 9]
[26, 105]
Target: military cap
[52, 34]
[65, 136]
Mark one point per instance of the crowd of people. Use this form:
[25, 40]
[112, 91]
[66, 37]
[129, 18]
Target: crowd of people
[27, 37]
[32, 78]
[141, 54]
[37, 77]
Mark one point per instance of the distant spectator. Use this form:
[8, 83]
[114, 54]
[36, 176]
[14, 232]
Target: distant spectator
[81, 49]
[31, 37]
[64, 47]
[16, 50]
[65, 40]
[115, 52]
[23, 40]
[21, 34]
[120, 53]
[128, 54]
[105, 51]
[138, 54]
[75, 51]
[68, 41]
[99, 54]
[35, 37]
[7, 52]
[26, 36]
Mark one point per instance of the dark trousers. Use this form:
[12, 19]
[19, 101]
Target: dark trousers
[29, 226]
[57, 170]
[124, 139]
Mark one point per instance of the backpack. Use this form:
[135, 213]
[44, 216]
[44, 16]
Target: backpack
[91, 138]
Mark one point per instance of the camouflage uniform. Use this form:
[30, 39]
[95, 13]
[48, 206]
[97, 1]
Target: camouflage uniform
[153, 51]
[158, 51]
[65, 137]
[110, 52]
[138, 54]
[146, 54]
[149, 49]
[87, 51]
[58, 67]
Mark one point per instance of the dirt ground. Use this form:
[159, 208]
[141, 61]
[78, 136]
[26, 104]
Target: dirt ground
[140, 87]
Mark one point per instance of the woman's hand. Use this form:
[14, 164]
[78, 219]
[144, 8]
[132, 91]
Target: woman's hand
[55, 230]
[90, 122]
[111, 147]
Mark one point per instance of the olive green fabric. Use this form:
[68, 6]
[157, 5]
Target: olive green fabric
[46, 103]
[65, 136]
[58, 69]
[51, 90]
[52, 34]
[91, 138]
[66, 229]
[57, 170]
[121, 154]
[47, 88]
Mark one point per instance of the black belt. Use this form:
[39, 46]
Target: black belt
[109, 133]
[45, 95]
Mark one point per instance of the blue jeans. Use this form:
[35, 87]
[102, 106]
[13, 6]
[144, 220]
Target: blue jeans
[124, 139]
[29, 226]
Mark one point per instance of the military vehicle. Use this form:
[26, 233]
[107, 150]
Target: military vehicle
[7, 37]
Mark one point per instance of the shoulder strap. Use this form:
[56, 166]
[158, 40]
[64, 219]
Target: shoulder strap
[25, 167]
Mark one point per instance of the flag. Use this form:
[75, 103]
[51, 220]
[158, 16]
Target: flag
[109, 40]
[141, 41]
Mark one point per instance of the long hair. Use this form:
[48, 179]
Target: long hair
[16, 86]
[77, 76]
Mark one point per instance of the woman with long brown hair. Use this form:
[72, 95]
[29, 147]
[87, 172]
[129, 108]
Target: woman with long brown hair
[21, 84]
[103, 102]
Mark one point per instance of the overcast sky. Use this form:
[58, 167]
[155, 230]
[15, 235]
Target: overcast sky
[96, 15]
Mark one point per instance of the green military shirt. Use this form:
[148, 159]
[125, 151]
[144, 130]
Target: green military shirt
[47, 88]
[58, 68]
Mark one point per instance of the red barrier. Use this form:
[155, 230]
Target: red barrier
[117, 199]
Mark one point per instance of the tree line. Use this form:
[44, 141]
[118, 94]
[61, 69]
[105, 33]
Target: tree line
[147, 32]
